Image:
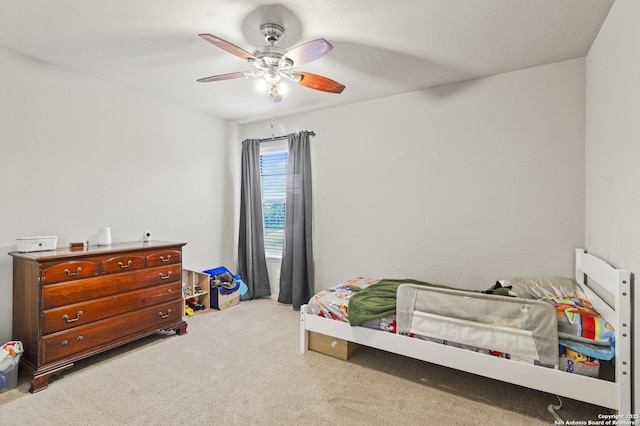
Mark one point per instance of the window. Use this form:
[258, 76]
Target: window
[273, 171]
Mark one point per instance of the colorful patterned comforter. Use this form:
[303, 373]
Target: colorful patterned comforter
[334, 303]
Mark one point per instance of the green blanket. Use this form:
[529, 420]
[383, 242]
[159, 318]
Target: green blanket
[378, 300]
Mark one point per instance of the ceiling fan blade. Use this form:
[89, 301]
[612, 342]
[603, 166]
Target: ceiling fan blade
[229, 47]
[309, 51]
[318, 82]
[228, 76]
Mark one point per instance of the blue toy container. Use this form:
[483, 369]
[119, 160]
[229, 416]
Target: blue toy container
[222, 297]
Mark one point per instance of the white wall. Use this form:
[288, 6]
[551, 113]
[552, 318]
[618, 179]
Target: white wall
[612, 213]
[79, 153]
[460, 184]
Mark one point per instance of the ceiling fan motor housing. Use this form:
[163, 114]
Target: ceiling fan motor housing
[271, 33]
[270, 55]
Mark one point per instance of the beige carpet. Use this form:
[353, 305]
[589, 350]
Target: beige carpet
[242, 366]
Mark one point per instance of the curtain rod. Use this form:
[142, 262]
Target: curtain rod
[277, 138]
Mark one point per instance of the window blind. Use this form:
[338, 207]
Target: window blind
[273, 169]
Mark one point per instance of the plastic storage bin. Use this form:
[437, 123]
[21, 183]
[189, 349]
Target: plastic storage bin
[10, 354]
[222, 297]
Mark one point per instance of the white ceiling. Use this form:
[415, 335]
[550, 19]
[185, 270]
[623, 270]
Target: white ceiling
[381, 47]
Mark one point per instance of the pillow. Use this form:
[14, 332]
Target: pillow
[537, 287]
[579, 321]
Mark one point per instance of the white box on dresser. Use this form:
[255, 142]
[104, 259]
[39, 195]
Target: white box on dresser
[28, 244]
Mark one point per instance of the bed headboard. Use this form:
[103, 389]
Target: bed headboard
[609, 290]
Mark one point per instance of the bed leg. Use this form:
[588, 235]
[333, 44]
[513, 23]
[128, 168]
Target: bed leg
[304, 334]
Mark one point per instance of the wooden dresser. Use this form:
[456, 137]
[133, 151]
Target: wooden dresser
[72, 304]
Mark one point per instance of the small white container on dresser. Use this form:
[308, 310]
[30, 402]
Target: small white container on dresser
[28, 244]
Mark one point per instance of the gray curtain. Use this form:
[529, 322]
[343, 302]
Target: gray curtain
[252, 263]
[296, 274]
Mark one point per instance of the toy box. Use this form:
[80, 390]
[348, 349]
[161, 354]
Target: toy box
[223, 298]
[223, 295]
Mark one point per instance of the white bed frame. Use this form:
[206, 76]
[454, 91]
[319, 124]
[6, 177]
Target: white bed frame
[615, 395]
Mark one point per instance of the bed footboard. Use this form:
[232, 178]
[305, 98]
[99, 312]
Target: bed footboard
[304, 334]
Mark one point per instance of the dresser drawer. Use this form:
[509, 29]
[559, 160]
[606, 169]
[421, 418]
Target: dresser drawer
[78, 314]
[68, 293]
[164, 257]
[123, 263]
[72, 270]
[107, 331]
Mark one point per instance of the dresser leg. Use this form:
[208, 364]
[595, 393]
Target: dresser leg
[41, 381]
[181, 329]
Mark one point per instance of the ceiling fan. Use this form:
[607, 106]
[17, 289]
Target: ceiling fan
[273, 62]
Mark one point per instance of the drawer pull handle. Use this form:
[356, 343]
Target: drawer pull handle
[67, 319]
[163, 316]
[80, 338]
[123, 266]
[73, 274]
[164, 277]
[64, 343]
[165, 260]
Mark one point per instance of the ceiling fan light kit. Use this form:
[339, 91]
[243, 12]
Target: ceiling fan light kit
[272, 62]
